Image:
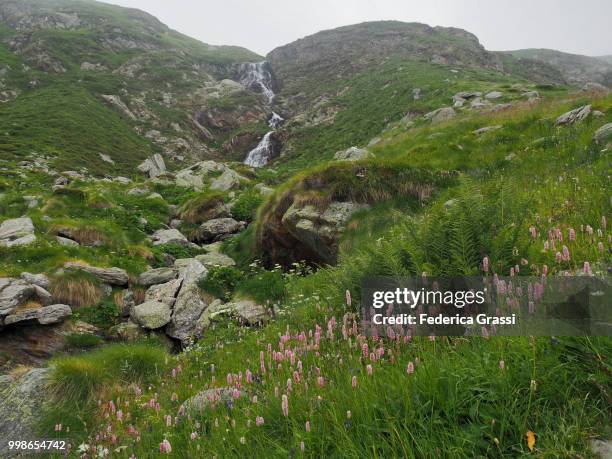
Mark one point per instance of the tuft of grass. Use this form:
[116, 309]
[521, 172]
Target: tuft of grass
[82, 340]
[76, 289]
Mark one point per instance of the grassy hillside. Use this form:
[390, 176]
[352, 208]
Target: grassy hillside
[308, 384]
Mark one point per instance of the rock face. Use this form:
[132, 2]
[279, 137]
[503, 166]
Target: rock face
[169, 236]
[164, 293]
[21, 402]
[603, 135]
[13, 293]
[219, 228]
[320, 230]
[44, 316]
[110, 276]
[152, 314]
[157, 276]
[188, 308]
[352, 154]
[440, 115]
[578, 114]
[153, 166]
[17, 231]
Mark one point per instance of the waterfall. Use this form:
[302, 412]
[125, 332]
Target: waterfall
[255, 75]
[261, 154]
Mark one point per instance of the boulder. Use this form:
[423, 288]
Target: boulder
[352, 154]
[190, 270]
[127, 331]
[13, 293]
[228, 180]
[36, 279]
[169, 236]
[215, 259]
[466, 95]
[17, 231]
[152, 314]
[440, 115]
[164, 293]
[531, 94]
[138, 191]
[188, 308]
[320, 230]
[573, 116]
[153, 166]
[110, 276]
[249, 312]
[22, 398]
[66, 242]
[493, 95]
[603, 135]
[219, 228]
[263, 189]
[157, 276]
[47, 315]
[195, 176]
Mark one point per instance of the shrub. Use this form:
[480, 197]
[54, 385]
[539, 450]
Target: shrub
[103, 315]
[246, 205]
[264, 286]
[222, 281]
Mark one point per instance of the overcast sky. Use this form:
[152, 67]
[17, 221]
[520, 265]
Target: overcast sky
[581, 27]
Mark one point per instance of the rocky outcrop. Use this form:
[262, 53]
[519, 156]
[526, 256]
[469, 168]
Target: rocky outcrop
[164, 293]
[197, 175]
[152, 314]
[188, 308]
[440, 115]
[219, 228]
[110, 276]
[352, 154]
[573, 116]
[153, 166]
[17, 231]
[46, 315]
[319, 230]
[22, 398]
[157, 276]
[229, 180]
[168, 236]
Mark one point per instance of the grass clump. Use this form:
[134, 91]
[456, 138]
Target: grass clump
[76, 289]
[82, 340]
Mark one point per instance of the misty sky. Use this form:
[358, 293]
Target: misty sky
[582, 27]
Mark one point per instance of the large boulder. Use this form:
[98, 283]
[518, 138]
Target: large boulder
[152, 314]
[157, 276]
[215, 259]
[188, 308]
[17, 231]
[190, 270]
[169, 236]
[440, 115]
[249, 312]
[228, 180]
[153, 166]
[13, 293]
[197, 175]
[110, 276]
[219, 228]
[603, 135]
[493, 95]
[127, 331]
[320, 230]
[22, 398]
[164, 293]
[352, 154]
[36, 279]
[47, 315]
[573, 116]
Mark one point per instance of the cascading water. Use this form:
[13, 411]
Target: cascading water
[256, 76]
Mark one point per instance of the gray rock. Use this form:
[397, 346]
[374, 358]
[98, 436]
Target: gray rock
[440, 115]
[36, 279]
[319, 230]
[228, 180]
[175, 223]
[152, 314]
[128, 302]
[122, 180]
[602, 448]
[190, 270]
[352, 154]
[249, 312]
[195, 176]
[263, 189]
[603, 135]
[168, 236]
[531, 94]
[157, 276]
[467, 95]
[16, 229]
[164, 293]
[106, 158]
[14, 292]
[215, 259]
[458, 103]
[218, 228]
[595, 87]
[22, 399]
[25, 240]
[155, 196]
[153, 166]
[573, 116]
[416, 93]
[187, 310]
[127, 331]
[47, 315]
[66, 242]
[493, 95]
[487, 129]
[138, 191]
[111, 276]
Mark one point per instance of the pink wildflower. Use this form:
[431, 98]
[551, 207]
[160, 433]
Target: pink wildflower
[369, 368]
[410, 368]
[502, 364]
[586, 268]
[165, 447]
[307, 426]
[259, 421]
[302, 446]
[572, 234]
[321, 381]
[485, 264]
[354, 382]
[194, 435]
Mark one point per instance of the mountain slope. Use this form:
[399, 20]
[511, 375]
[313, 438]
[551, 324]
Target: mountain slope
[169, 91]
